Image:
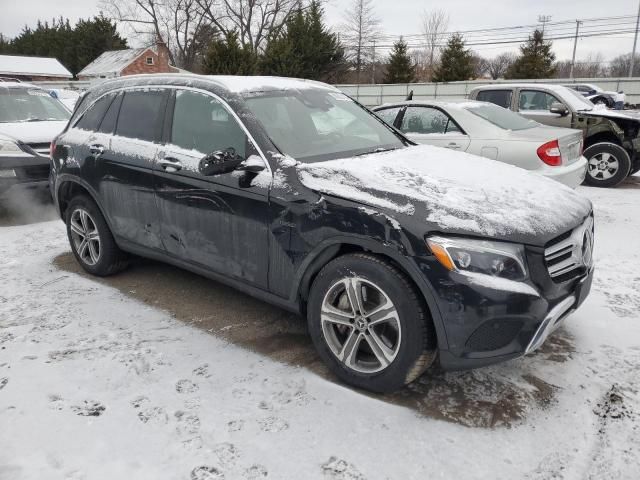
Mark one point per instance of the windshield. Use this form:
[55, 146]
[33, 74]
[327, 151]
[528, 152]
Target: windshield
[29, 105]
[501, 117]
[577, 101]
[313, 125]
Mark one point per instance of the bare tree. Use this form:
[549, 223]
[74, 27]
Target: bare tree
[180, 24]
[253, 20]
[434, 29]
[360, 31]
[498, 66]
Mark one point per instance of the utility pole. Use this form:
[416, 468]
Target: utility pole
[373, 69]
[635, 44]
[544, 19]
[575, 45]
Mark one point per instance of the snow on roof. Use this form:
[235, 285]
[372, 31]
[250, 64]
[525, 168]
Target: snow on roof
[38, 66]
[257, 83]
[111, 62]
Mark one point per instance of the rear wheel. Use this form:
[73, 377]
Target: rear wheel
[608, 164]
[91, 240]
[369, 323]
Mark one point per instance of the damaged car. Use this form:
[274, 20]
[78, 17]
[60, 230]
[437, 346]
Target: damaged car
[290, 191]
[611, 138]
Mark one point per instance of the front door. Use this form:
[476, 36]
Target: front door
[217, 222]
[535, 105]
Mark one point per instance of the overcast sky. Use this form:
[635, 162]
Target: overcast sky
[402, 17]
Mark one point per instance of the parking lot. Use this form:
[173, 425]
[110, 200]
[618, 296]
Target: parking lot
[160, 371]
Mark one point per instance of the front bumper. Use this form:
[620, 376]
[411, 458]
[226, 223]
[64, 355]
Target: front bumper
[490, 322]
[23, 173]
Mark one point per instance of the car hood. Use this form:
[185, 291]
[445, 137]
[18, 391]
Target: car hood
[438, 190]
[33, 132]
[612, 114]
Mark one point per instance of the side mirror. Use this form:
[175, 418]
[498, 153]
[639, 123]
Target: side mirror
[559, 109]
[219, 162]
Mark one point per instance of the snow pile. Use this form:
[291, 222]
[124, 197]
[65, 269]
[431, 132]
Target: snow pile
[457, 191]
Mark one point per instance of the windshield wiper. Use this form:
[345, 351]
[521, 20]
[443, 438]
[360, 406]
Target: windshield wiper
[377, 150]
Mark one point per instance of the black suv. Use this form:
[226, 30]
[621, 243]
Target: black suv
[294, 193]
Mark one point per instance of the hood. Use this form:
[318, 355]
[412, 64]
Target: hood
[453, 192]
[33, 132]
[612, 114]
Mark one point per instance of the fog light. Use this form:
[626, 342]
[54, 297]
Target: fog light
[7, 173]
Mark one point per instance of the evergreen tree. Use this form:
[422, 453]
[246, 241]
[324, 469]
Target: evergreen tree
[400, 68]
[94, 37]
[226, 56]
[456, 62]
[304, 48]
[536, 59]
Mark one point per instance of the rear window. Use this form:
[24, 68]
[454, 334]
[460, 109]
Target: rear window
[501, 98]
[30, 105]
[501, 117]
[141, 114]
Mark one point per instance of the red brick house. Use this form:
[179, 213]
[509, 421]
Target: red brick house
[133, 61]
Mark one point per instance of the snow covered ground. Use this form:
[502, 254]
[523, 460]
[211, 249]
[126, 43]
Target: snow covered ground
[98, 383]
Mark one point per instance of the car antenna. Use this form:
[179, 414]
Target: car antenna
[410, 96]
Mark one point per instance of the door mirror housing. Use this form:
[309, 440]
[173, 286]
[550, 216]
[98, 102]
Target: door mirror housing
[219, 162]
[559, 109]
[253, 164]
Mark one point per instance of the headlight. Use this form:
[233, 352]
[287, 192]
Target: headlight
[7, 147]
[497, 259]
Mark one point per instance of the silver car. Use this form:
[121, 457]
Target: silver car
[493, 132]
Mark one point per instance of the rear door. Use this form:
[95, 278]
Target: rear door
[433, 126]
[535, 104]
[217, 222]
[124, 165]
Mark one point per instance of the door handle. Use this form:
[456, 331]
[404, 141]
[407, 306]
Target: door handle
[170, 164]
[96, 149]
[454, 146]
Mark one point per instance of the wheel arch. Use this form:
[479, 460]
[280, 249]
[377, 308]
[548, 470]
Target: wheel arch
[336, 247]
[602, 137]
[70, 187]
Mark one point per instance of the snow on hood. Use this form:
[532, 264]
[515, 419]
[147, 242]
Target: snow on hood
[455, 191]
[614, 114]
[33, 132]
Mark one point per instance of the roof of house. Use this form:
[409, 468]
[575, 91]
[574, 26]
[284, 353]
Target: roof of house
[32, 66]
[112, 62]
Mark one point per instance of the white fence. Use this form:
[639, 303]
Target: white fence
[372, 95]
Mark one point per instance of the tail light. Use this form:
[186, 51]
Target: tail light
[550, 154]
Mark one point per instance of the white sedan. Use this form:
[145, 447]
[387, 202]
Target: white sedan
[493, 132]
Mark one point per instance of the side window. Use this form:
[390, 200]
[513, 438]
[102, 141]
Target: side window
[91, 119]
[141, 114]
[202, 123]
[388, 114]
[108, 124]
[535, 100]
[424, 120]
[501, 98]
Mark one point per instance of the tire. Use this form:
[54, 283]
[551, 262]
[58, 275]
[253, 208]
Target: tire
[407, 334]
[608, 165]
[100, 255]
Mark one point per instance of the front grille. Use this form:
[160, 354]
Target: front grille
[40, 148]
[570, 254]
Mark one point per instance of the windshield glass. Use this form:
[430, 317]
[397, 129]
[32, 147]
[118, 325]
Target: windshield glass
[576, 100]
[501, 117]
[313, 125]
[29, 105]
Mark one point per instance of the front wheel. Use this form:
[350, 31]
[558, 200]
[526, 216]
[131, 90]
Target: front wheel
[608, 165]
[369, 324]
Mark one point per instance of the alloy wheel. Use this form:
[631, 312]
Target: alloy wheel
[360, 325]
[85, 236]
[603, 166]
